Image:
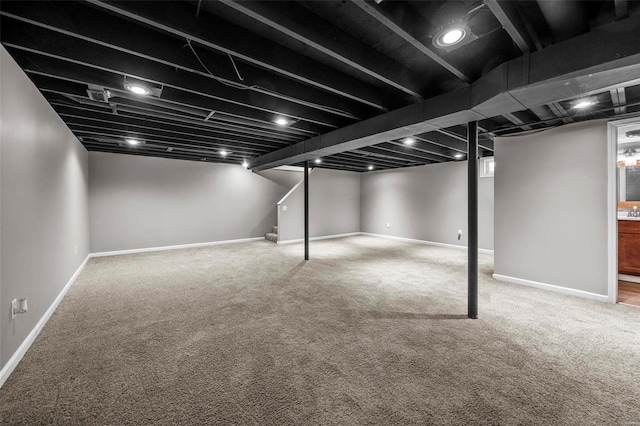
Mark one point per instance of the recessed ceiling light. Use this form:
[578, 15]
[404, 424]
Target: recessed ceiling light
[245, 164]
[281, 121]
[451, 35]
[131, 141]
[370, 167]
[458, 155]
[584, 103]
[137, 88]
[317, 161]
[409, 141]
[224, 153]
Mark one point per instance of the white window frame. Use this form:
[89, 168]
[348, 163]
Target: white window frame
[485, 165]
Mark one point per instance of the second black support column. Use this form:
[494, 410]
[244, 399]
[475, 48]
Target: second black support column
[472, 161]
[306, 210]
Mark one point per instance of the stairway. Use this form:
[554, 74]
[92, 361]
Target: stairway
[273, 235]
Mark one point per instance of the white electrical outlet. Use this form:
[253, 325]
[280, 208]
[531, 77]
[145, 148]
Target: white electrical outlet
[75, 249]
[18, 306]
[284, 208]
[388, 224]
[459, 233]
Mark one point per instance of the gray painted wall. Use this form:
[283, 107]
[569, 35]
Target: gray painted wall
[425, 203]
[140, 202]
[43, 204]
[334, 206]
[551, 207]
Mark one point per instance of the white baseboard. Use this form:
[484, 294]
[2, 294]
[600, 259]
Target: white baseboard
[176, 247]
[324, 237]
[551, 287]
[429, 243]
[630, 278]
[31, 337]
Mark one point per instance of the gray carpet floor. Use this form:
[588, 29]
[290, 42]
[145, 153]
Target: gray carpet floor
[369, 332]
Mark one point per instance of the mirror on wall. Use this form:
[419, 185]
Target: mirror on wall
[630, 184]
[629, 163]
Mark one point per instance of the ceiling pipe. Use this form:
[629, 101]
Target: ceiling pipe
[566, 18]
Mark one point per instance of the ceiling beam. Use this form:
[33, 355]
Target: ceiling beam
[544, 114]
[134, 115]
[94, 26]
[403, 153]
[306, 27]
[219, 35]
[34, 63]
[212, 151]
[106, 134]
[560, 112]
[486, 144]
[601, 59]
[619, 100]
[391, 23]
[509, 18]
[515, 120]
[115, 149]
[82, 53]
[159, 127]
[421, 146]
[175, 99]
[94, 129]
[363, 157]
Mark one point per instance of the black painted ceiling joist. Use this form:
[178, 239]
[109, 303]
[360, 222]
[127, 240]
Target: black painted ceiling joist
[388, 21]
[600, 59]
[167, 142]
[231, 118]
[162, 126]
[80, 53]
[560, 112]
[421, 146]
[301, 25]
[405, 153]
[507, 13]
[57, 69]
[619, 100]
[213, 33]
[364, 158]
[86, 23]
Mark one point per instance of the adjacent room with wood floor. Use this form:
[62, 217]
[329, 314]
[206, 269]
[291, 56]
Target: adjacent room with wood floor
[320, 212]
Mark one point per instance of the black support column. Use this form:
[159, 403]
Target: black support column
[472, 161]
[306, 210]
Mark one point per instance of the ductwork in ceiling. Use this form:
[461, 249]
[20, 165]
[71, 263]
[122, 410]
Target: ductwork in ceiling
[566, 18]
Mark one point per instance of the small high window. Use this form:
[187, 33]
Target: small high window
[487, 167]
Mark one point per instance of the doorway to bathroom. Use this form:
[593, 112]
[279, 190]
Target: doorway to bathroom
[627, 211]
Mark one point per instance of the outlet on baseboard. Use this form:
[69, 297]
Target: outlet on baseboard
[388, 224]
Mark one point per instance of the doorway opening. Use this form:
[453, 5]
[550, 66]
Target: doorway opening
[624, 144]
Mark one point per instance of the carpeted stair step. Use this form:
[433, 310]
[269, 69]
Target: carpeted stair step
[271, 236]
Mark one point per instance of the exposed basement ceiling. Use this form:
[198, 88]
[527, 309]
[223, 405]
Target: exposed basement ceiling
[353, 79]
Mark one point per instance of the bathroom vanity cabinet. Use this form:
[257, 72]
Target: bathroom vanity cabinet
[629, 247]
